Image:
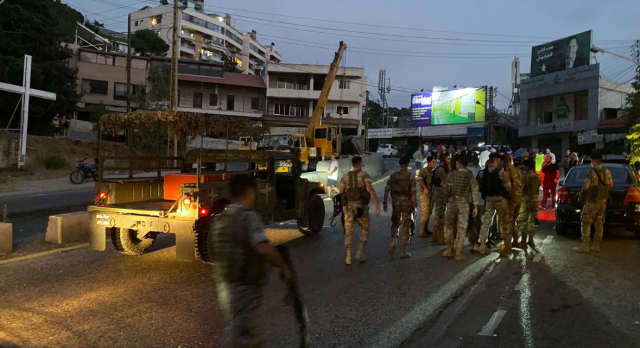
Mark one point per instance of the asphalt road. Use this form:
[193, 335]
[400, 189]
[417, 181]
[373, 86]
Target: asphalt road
[85, 298]
[24, 203]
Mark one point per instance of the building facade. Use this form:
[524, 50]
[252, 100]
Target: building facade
[558, 107]
[293, 91]
[206, 37]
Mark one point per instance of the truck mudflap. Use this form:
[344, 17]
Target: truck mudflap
[101, 223]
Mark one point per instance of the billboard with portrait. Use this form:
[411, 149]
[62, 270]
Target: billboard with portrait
[455, 106]
[567, 53]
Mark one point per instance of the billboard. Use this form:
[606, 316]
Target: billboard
[567, 53]
[463, 105]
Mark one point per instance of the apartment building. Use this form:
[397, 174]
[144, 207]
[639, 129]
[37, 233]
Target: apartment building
[206, 37]
[293, 91]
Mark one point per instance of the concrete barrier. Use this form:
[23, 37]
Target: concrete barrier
[68, 228]
[6, 238]
[373, 164]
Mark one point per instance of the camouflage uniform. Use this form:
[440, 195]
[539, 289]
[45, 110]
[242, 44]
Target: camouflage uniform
[350, 211]
[425, 200]
[529, 207]
[515, 197]
[402, 184]
[595, 209]
[440, 203]
[239, 272]
[499, 205]
[462, 190]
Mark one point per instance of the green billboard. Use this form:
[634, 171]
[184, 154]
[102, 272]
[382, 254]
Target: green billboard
[567, 53]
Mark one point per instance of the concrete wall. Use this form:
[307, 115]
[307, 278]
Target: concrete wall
[68, 228]
[6, 238]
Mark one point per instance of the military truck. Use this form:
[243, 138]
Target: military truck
[185, 193]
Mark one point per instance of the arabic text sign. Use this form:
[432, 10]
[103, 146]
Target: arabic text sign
[387, 133]
[562, 76]
[381, 133]
[457, 106]
[566, 53]
[589, 137]
[556, 127]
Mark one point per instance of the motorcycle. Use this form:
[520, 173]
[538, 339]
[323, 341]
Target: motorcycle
[84, 171]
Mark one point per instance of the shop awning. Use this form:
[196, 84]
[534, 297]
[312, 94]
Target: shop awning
[614, 126]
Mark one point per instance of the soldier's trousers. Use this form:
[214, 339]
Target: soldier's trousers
[527, 216]
[500, 206]
[425, 204]
[401, 217]
[593, 213]
[456, 221]
[350, 220]
[440, 208]
[240, 303]
[515, 201]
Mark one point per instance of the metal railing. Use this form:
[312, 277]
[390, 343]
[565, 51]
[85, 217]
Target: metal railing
[135, 164]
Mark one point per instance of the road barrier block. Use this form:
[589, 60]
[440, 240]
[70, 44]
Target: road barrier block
[68, 228]
[6, 238]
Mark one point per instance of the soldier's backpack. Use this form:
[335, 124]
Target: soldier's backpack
[601, 191]
[402, 190]
[532, 185]
[355, 193]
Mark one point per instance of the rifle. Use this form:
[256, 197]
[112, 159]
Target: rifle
[293, 296]
[413, 225]
[338, 211]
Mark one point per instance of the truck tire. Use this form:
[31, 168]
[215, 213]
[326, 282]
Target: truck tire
[202, 241]
[313, 219]
[126, 241]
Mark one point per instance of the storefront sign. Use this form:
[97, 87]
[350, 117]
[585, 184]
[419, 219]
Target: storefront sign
[387, 133]
[557, 127]
[381, 133]
[582, 72]
[589, 137]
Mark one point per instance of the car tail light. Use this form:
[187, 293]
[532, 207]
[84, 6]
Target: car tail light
[633, 196]
[563, 195]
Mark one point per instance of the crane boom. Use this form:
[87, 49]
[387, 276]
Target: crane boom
[314, 121]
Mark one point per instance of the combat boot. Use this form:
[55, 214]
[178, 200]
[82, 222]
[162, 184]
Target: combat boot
[404, 254]
[360, 255]
[515, 243]
[596, 246]
[434, 237]
[523, 242]
[507, 248]
[441, 239]
[531, 243]
[482, 248]
[347, 260]
[583, 248]
[459, 256]
[394, 242]
[448, 252]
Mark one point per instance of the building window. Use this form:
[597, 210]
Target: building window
[289, 110]
[95, 87]
[213, 99]
[302, 84]
[286, 83]
[120, 90]
[609, 114]
[197, 100]
[135, 24]
[141, 22]
[344, 84]
[582, 105]
[345, 110]
[255, 103]
[230, 102]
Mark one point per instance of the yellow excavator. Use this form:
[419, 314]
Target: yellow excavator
[319, 141]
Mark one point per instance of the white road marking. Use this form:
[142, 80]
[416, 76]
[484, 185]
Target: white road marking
[548, 240]
[54, 251]
[518, 286]
[538, 257]
[493, 323]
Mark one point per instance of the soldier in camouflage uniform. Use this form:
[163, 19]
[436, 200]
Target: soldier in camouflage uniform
[596, 187]
[402, 186]
[439, 200]
[461, 192]
[515, 195]
[357, 184]
[529, 207]
[426, 197]
[241, 249]
[494, 187]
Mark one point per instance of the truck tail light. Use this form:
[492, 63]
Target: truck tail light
[563, 196]
[186, 201]
[633, 196]
[103, 195]
[203, 211]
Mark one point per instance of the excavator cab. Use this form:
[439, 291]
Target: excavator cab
[325, 139]
[245, 143]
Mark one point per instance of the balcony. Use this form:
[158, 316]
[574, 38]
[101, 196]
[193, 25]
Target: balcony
[187, 49]
[335, 94]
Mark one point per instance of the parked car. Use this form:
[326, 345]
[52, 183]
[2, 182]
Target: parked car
[622, 159]
[622, 210]
[387, 150]
[497, 147]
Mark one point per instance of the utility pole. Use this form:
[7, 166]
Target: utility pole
[366, 125]
[173, 104]
[129, 64]
[383, 89]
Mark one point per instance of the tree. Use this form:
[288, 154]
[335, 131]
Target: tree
[38, 28]
[229, 65]
[95, 26]
[633, 115]
[156, 95]
[147, 42]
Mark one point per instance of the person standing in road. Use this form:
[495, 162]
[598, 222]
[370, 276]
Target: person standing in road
[597, 186]
[332, 176]
[357, 187]
[439, 200]
[573, 161]
[515, 195]
[425, 179]
[553, 156]
[529, 207]
[239, 269]
[494, 189]
[550, 176]
[65, 126]
[417, 157]
[484, 157]
[402, 186]
[565, 162]
[462, 193]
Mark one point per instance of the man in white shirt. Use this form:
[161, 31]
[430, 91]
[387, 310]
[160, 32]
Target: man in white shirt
[332, 176]
[484, 157]
[553, 157]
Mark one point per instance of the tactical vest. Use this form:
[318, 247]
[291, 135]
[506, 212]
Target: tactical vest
[460, 183]
[531, 185]
[437, 182]
[235, 259]
[354, 193]
[401, 184]
[492, 184]
[598, 191]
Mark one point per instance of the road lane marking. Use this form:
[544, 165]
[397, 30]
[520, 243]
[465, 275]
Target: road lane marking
[493, 323]
[538, 257]
[44, 253]
[518, 286]
[548, 240]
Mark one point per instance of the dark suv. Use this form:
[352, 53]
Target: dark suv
[623, 209]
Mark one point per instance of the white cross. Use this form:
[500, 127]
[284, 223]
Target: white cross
[26, 92]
